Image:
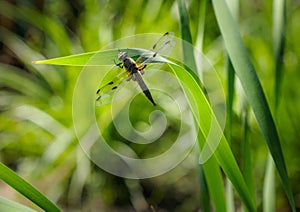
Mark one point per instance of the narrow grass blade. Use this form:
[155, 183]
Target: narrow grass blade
[230, 97]
[252, 88]
[279, 19]
[201, 27]
[246, 151]
[223, 153]
[204, 193]
[188, 52]
[213, 176]
[269, 187]
[211, 181]
[233, 6]
[11, 206]
[229, 196]
[26, 189]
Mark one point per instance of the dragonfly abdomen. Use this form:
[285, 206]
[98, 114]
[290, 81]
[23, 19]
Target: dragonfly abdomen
[144, 87]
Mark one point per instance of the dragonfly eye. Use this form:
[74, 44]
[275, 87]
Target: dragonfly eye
[122, 56]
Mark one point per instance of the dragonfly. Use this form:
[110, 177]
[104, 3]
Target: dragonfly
[134, 69]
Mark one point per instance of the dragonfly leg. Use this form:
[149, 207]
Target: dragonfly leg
[129, 77]
[119, 64]
[133, 78]
[141, 69]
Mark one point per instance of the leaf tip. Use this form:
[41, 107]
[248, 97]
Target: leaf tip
[37, 62]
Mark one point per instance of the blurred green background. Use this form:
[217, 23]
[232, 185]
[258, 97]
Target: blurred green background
[37, 139]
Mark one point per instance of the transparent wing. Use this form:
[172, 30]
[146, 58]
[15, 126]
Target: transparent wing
[110, 84]
[163, 46]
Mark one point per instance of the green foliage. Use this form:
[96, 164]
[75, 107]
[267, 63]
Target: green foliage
[253, 90]
[26, 189]
[7, 205]
[37, 135]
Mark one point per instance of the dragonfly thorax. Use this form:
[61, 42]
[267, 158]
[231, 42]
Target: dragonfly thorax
[130, 65]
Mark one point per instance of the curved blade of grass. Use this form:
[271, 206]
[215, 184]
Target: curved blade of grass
[223, 153]
[212, 173]
[11, 206]
[26, 189]
[252, 88]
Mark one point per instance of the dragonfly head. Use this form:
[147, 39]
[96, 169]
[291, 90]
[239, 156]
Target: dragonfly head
[122, 56]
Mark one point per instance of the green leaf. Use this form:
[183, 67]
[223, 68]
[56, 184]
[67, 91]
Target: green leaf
[246, 150]
[11, 206]
[212, 173]
[269, 186]
[204, 192]
[96, 58]
[279, 19]
[252, 88]
[223, 153]
[188, 56]
[233, 6]
[20, 185]
[77, 60]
